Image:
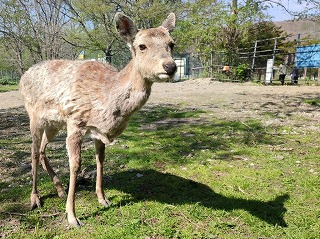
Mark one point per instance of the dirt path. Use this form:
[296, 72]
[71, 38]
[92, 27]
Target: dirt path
[284, 104]
[10, 99]
[226, 100]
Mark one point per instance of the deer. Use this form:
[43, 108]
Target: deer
[91, 98]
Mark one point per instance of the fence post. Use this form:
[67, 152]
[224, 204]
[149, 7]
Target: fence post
[274, 49]
[254, 54]
[298, 39]
[211, 64]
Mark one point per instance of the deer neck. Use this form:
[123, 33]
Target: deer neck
[131, 77]
[132, 89]
[127, 93]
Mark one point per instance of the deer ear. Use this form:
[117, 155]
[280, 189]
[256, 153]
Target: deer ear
[125, 27]
[170, 22]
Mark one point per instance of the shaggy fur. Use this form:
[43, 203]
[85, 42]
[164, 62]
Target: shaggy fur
[92, 98]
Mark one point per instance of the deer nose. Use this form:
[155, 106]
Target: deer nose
[170, 67]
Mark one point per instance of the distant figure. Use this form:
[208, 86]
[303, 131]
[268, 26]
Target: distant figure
[282, 73]
[295, 76]
[226, 70]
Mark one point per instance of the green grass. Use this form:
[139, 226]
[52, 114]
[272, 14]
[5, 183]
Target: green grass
[201, 178]
[11, 87]
[315, 102]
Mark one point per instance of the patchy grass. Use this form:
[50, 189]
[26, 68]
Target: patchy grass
[315, 102]
[174, 173]
[5, 88]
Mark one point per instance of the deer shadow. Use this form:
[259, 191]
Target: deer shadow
[171, 189]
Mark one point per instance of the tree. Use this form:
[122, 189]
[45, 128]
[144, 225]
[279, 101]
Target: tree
[309, 8]
[33, 31]
[198, 27]
[238, 22]
[217, 25]
[95, 31]
[266, 35]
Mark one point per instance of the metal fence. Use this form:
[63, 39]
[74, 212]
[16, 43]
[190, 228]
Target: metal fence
[222, 66]
[250, 64]
[239, 67]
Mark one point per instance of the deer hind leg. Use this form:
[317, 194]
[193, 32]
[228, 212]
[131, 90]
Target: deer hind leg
[47, 136]
[100, 155]
[36, 133]
[74, 140]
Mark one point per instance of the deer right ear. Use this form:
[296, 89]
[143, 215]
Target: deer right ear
[170, 22]
[125, 27]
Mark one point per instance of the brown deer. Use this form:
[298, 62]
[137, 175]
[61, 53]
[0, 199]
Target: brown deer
[92, 98]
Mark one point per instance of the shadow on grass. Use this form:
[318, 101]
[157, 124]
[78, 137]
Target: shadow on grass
[164, 125]
[171, 189]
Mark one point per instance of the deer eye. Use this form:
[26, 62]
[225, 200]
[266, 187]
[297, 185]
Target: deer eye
[171, 45]
[142, 47]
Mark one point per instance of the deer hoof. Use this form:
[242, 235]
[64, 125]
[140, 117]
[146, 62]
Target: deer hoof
[35, 201]
[62, 194]
[105, 202]
[75, 222]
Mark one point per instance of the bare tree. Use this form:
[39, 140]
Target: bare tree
[94, 29]
[33, 31]
[309, 8]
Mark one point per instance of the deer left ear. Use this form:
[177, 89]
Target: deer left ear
[170, 22]
[125, 27]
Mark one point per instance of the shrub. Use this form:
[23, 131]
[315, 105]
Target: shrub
[6, 80]
[242, 72]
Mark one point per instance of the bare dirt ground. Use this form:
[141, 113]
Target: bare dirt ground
[228, 101]
[285, 105]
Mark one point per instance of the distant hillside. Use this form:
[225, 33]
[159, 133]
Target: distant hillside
[307, 28]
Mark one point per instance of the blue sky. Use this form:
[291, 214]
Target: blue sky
[279, 14]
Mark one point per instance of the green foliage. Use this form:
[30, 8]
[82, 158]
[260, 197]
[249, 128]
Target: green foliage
[198, 29]
[217, 26]
[8, 84]
[242, 72]
[74, 26]
[6, 80]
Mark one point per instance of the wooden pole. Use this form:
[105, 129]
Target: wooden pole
[305, 73]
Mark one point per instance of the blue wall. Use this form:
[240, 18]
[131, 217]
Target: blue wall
[308, 56]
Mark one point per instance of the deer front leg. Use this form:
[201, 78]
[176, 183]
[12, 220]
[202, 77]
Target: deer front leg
[36, 133]
[100, 155]
[74, 140]
[35, 200]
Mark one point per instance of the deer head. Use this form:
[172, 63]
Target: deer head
[151, 48]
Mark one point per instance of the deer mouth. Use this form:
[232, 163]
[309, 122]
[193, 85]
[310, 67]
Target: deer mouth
[164, 76]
